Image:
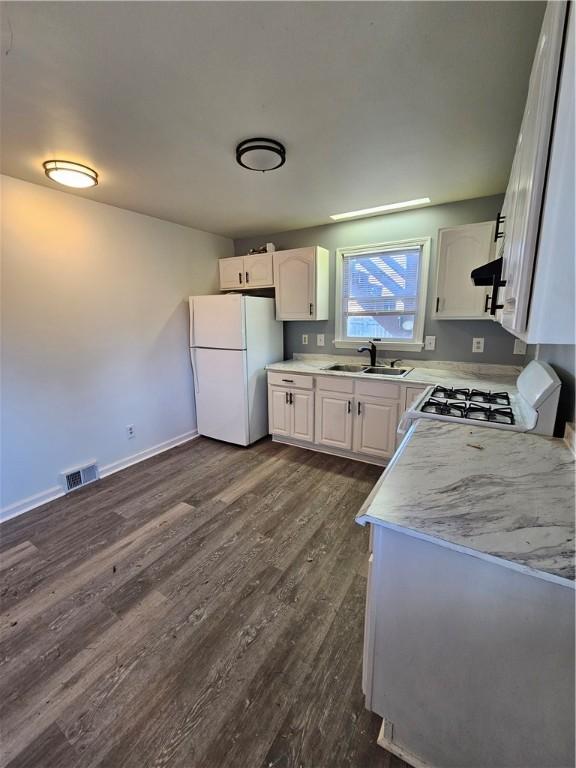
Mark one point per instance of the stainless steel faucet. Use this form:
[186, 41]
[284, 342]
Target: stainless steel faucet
[372, 350]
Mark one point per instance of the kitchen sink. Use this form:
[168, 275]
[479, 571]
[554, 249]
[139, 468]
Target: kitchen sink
[346, 368]
[385, 370]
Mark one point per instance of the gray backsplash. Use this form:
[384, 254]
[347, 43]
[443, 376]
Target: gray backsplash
[453, 337]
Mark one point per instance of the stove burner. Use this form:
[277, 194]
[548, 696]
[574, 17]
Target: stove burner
[485, 413]
[444, 408]
[495, 398]
[447, 393]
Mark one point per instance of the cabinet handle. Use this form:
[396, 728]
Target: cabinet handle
[240, 277]
[287, 399]
[349, 406]
[437, 303]
[291, 399]
[486, 300]
[499, 220]
[247, 278]
[288, 381]
[311, 308]
[359, 409]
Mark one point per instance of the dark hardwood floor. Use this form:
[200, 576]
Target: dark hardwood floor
[201, 609]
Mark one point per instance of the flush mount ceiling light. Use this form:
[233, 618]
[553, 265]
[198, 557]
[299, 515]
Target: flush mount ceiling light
[381, 209]
[70, 174]
[260, 154]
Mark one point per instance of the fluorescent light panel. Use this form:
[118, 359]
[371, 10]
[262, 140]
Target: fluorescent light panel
[381, 209]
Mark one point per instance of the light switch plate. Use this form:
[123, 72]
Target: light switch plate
[304, 338]
[430, 342]
[519, 347]
[478, 344]
[320, 339]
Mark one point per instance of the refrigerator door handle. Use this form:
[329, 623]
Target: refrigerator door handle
[194, 377]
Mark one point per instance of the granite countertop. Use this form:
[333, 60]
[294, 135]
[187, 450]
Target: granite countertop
[499, 495]
[492, 377]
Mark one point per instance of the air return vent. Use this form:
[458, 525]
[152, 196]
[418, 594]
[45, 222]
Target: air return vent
[79, 476]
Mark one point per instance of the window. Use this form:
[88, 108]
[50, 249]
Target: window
[381, 294]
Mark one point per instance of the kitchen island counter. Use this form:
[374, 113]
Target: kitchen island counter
[492, 493]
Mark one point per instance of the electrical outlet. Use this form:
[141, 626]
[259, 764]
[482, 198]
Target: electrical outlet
[519, 347]
[478, 344]
[430, 343]
[320, 339]
[130, 431]
[304, 338]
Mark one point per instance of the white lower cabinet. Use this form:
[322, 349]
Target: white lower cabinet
[375, 426]
[279, 411]
[302, 405]
[339, 414]
[334, 420]
[291, 413]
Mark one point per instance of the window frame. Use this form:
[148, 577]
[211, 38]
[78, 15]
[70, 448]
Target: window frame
[417, 344]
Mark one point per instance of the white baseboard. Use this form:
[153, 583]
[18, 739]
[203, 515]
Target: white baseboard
[31, 502]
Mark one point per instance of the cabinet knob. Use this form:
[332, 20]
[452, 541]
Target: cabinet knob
[311, 308]
[359, 407]
[240, 277]
[247, 278]
[349, 406]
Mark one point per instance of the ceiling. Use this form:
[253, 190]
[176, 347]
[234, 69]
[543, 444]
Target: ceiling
[376, 102]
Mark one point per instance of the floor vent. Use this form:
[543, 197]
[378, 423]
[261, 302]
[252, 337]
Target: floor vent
[76, 478]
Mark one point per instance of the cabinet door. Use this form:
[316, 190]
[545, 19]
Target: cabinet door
[334, 420]
[294, 276]
[460, 250]
[525, 187]
[302, 415]
[412, 394]
[279, 411]
[375, 426]
[258, 271]
[231, 273]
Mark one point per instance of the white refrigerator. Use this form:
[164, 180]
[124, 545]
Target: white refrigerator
[232, 338]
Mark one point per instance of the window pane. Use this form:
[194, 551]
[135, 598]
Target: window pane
[382, 278]
[390, 326]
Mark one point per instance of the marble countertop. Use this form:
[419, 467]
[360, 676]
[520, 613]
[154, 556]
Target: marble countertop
[492, 377]
[499, 495]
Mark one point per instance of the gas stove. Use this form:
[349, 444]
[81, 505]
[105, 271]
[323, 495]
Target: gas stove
[531, 406]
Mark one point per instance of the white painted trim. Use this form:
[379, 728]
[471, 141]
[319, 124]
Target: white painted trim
[31, 502]
[390, 746]
[319, 448]
[425, 244]
[116, 466]
[50, 494]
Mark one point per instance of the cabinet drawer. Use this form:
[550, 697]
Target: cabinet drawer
[335, 384]
[378, 389]
[290, 380]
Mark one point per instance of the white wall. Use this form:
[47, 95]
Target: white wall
[94, 334]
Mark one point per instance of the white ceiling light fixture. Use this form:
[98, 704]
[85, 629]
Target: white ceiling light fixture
[70, 174]
[260, 154]
[381, 209]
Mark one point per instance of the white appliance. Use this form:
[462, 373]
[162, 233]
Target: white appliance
[531, 409]
[232, 339]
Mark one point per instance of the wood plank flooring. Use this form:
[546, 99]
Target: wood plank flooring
[202, 608]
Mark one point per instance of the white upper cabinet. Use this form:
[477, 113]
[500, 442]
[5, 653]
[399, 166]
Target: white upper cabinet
[524, 195]
[231, 273]
[241, 273]
[459, 251]
[301, 281]
[258, 270]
